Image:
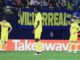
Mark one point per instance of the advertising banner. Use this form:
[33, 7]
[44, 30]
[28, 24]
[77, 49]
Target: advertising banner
[47, 45]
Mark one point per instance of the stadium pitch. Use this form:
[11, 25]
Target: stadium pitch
[46, 55]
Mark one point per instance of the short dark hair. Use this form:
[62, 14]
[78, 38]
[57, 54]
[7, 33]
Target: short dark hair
[74, 17]
[4, 18]
[37, 8]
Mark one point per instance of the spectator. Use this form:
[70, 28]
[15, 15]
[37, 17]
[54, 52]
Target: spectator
[28, 3]
[51, 6]
[18, 3]
[75, 4]
[23, 6]
[41, 6]
[55, 4]
[48, 2]
[38, 2]
[69, 4]
[79, 6]
[64, 1]
[24, 3]
[33, 3]
[63, 4]
[14, 6]
[45, 4]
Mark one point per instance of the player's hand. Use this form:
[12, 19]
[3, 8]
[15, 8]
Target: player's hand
[33, 31]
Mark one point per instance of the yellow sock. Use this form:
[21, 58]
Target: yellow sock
[38, 46]
[1, 45]
[76, 46]
[5, 45]
[70, 46]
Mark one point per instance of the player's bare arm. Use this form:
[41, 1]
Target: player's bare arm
[10, 30]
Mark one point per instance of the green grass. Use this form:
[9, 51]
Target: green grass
[22, 55]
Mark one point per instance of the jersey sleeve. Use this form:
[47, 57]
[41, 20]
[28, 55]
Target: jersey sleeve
[38, 17]
[0, 22]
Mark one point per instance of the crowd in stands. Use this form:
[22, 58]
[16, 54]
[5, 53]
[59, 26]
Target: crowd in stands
[44, 4]
[13, 5]
[56, 4]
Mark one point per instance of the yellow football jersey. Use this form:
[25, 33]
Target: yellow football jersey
[38, 18]
[5, 26]
[74, 28]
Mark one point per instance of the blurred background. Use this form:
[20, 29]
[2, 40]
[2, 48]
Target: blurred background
[11, 8]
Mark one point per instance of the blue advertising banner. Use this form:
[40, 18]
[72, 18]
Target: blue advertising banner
[53, 19]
